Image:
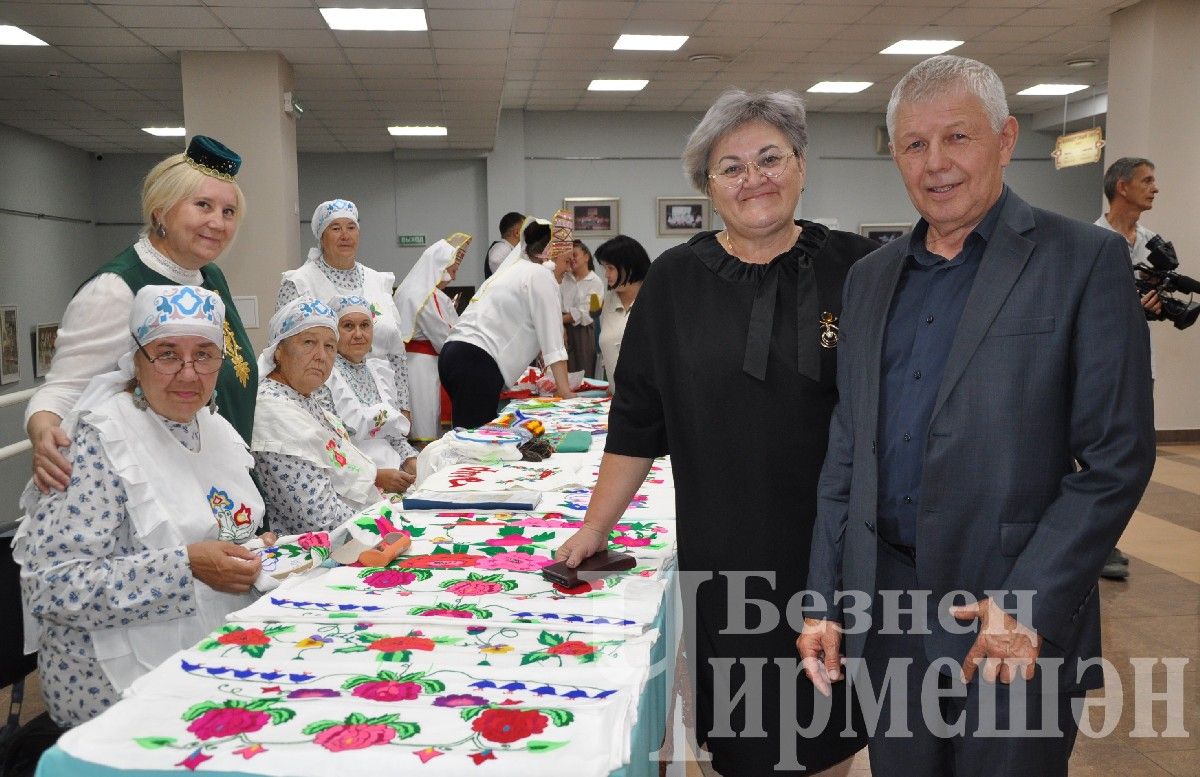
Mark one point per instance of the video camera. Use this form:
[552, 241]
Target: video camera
[1159, 275]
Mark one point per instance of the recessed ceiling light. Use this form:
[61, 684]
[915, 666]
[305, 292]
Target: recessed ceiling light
[427, 131]
[922, 46]
[650, 42]
[1052, 90]
[1081, 62]
[617, 84]
[706, 58]
[840, 87]
[15, 36]
[385, 19]
[166, 132]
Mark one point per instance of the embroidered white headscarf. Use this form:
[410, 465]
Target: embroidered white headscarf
[296, 316]
[418, 286]
[325, 213]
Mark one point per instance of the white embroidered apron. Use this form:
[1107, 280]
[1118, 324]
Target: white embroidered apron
[175, 497]
[377, 289]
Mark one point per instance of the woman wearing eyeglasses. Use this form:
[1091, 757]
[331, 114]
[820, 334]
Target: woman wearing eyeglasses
[728, 364]
[141, 555]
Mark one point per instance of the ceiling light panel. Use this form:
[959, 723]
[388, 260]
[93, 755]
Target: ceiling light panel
[926, 47]
[650, 42]
[417, 131]
[15, 36]
[1052, 90]
[840, 87]
[166, 132]
[617, 84]
[378, 19]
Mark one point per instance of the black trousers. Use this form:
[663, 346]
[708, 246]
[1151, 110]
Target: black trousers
[986, 747]
[473, 381]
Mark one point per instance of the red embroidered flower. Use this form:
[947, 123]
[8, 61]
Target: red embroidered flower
[228, 722]
[510, 540]
[396, 644]
[313, 540]
[582, 588]
[385, 690]
[441, 561]
[571, 648]
[632, 542]
[474, 588]
[506, 726]
[354, 737]
[245, 637]
[389, 578]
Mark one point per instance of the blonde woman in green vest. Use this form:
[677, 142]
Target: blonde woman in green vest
[191, 209]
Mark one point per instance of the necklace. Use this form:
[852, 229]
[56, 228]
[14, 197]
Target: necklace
[733, 251]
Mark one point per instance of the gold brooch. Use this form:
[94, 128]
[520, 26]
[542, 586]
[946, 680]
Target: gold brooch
[829, 330]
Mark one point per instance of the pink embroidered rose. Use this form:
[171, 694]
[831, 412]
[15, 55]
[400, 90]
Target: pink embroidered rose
[313, 540]
[512, 539]
[387, 691]
[622, 527]
[228, 722]
[389, 578]
[515, 562]
[632, 542]
[474, 588]
[572, 647]
[442, 561]
[248, 637]
[354, 737]
[545, 523]
[448, 613]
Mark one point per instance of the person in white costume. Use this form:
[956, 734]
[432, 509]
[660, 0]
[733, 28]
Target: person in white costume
[141, 555]
[313, 477]
[582, 293]
[333, 270]
[426, 317]
[364, 397]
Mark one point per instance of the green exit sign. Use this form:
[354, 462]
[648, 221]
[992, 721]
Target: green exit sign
[412, 240]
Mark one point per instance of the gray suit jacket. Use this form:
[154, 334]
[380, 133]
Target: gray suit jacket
[1040, 444]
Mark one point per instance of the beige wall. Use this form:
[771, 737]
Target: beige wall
[1153, 112]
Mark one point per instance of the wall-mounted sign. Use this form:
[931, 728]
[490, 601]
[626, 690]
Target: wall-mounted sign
[1078, 148]
[412, 240]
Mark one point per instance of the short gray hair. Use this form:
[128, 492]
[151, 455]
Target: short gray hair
[943, 73]
[1122, 170]
[783, 109]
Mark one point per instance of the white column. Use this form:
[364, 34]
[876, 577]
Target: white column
[1154, 112]
[237, 98]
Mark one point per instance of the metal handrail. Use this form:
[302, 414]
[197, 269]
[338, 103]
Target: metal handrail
[13, 398]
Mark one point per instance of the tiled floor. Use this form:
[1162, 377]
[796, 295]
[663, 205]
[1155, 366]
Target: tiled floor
[1153, 614]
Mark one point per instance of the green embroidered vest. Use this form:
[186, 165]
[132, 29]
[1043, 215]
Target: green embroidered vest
[237, 383]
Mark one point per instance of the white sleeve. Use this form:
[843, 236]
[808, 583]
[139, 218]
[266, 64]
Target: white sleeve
[498, 253]
[544, 304]
[364, 422]
[431, 323]
[93, 335]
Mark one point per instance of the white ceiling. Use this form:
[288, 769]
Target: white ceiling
[112, 66]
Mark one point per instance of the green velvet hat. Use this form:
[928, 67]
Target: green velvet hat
[212, 157]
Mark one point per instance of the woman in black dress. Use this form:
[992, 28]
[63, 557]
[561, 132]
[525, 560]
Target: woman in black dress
[728, 364]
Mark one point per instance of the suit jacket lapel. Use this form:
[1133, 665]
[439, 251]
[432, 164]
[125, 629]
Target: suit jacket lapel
[1001, 265]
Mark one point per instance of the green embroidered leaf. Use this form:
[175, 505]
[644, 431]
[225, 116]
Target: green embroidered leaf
[549, 639]
[406, 730]
[511, 531]
[587, 659]
[319, 726]
[384, 720]
[533, 658]
[543, 745]
[414, 531]
[355, 719]
[343, 615]
[197, 710]
[559, 717]
[507, 585]
[448, 640]
[351, 649]
[438, 551]
[471, 712]
[421, 574]
[208, 644]
[432, 686]
[545, 536]
[254, 651]
[461, 547]
[280, 716]
[259, 705]
[492, 550]
[237, 704]
[354, 682]
[153, 743]
[389, 676]
[526, 549]
[401, 656]
[272, 631]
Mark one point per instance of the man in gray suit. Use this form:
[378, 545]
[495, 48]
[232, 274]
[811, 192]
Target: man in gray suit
[993, 435]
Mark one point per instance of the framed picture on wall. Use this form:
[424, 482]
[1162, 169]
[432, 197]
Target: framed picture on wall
[10, 370]
[44, 339]
[595, 216]
[883, 233]
[682, 215]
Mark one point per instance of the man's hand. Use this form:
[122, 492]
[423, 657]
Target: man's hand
[1004, 646]
[586, 541]
[820, 646]
[223, 566]
[1152, 303]
[394, 481]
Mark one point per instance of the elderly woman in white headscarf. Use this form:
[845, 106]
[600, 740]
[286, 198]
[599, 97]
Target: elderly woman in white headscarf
[140, 556]
[333, 270]
[364, 397]
[312, 475]
[426, 317]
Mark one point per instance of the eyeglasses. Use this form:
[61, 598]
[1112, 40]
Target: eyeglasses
[770, 165]
[168, 363]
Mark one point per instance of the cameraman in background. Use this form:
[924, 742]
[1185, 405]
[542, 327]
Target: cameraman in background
[1129, 187]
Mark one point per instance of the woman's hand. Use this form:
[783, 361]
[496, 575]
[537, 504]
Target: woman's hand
[394, 481]
[586, 541]
[51, 470]
[223, 566]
